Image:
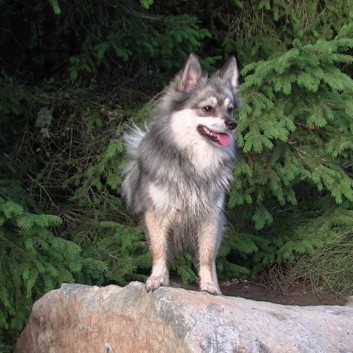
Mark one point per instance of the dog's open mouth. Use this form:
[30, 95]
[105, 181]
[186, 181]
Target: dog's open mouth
[218, 137]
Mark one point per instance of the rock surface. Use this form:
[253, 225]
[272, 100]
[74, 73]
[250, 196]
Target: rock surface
[84, 319]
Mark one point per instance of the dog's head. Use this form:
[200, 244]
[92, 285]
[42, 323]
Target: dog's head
[202, 107]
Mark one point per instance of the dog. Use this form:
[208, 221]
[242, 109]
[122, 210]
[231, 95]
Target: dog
[180, 169]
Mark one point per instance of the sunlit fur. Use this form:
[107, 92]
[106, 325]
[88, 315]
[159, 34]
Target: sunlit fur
[176, 180]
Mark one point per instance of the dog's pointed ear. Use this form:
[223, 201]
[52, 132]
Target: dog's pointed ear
[190, 74]
[229, 73]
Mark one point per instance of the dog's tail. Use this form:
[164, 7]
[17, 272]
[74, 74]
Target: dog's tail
[129, 188]
[133, 138]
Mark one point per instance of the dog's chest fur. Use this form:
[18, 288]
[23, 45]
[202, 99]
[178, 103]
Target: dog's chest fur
[192, 181]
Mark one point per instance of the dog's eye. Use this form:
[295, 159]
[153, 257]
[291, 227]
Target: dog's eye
[207, 109]
[230, 110]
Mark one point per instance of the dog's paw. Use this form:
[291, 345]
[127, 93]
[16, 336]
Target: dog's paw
[211, 288]
[154, 282]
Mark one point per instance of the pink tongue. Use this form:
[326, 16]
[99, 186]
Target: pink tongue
[224, 139]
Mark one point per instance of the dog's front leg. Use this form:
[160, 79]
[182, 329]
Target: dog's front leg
[209, 239]
[156, 232]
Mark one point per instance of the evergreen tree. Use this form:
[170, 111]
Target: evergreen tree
[295, 135]
[33, 259]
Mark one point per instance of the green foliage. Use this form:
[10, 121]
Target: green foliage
[264, 29]
[118, 241]
[316, 248]
[146, 3]
[178, 35]
[295, 135]
[312, 245]
[65, 164]
[123, 41]
[294, 105]
[185, 268]
[78, 170]
[56, 6]
[33, 259]
[329, 267]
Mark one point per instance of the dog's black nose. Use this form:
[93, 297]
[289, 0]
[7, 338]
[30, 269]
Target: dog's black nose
[231, 124]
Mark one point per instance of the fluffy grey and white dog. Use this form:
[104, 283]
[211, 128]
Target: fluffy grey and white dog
[180, 169]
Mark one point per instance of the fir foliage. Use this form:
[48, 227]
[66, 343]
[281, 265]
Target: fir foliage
[33, 259]
[67, 167]
[293, 106]
[330, 265]
[107, 40]
[263, 29]
[316, 246]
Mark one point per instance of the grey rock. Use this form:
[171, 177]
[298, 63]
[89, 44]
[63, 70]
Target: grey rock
[84, 319]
